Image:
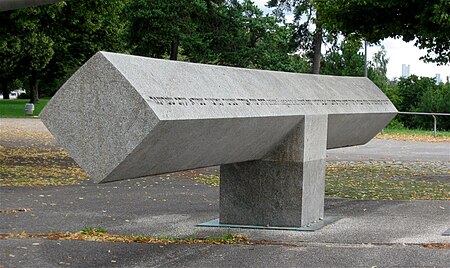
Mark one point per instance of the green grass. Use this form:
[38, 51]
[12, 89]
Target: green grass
[405, 131]
[380, 180]
[16, 108]
[92, 230]
[388, 180]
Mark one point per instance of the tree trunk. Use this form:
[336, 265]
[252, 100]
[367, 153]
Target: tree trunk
[5, 90]
[317, 43]
[174, 49]
[34, 88]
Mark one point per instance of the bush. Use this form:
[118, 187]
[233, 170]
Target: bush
[436, 100]
[24, 96]
[395, 124]
[421, 94]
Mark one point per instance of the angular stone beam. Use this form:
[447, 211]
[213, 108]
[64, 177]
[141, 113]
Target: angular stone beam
[123, 117]
[16, 4]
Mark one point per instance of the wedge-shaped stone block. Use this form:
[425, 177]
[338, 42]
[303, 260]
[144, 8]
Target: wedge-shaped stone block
[123, 117]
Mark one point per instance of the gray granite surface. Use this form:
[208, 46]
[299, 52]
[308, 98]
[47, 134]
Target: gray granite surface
[123, 117]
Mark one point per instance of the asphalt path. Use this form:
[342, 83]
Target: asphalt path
[376, 149]
[369, 233]
[379, 149]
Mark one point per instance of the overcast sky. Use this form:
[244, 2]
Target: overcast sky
[399, 53]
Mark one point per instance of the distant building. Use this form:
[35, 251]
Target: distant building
[438, 79]
[406, 70]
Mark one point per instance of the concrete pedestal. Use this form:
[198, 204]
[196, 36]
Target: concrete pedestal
[286, 188]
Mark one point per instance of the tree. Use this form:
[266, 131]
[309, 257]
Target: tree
[307, 39]
[435, 100]
[378, 69]
[233, 33]
[344, 59]
[48, 43]
[81, 29]
[10, 48]
[157, 27]
[26, 35]
[410, 92]
[239, 34]
[426, 22]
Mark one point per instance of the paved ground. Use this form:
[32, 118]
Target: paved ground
[370, 233]
[375, 150]
[378, 149]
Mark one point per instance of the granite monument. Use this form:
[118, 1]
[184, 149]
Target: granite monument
[123, 117]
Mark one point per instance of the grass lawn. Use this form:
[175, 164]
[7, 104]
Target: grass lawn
[16, 108]
[416, 132]
[380, 180]
[414, 135]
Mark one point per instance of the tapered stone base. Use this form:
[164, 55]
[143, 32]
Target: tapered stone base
[284, 189]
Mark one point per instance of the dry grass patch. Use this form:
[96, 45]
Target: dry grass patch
[38, 167]
[381, 180]
[413, 137]
[100, 235]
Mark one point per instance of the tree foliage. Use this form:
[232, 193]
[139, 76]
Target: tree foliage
[49, 42]
[81, 29]
[239, 34]
[27, 30]
[157, 27]
[233, 33]
[10, 47]
[344, 59]
[421, 94]
[377, 69]
[427, 23]
[308, 39]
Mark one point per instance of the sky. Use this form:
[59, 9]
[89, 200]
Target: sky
[398, 53]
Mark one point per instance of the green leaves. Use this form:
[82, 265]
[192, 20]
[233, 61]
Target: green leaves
[344, 59]
[426, 22]
[233, 33]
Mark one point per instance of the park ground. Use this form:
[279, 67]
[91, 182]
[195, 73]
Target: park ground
[392, 198]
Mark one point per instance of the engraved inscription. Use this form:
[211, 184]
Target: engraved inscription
[182, 101]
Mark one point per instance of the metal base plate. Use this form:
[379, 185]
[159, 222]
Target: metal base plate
[311, 228]
[446, 233]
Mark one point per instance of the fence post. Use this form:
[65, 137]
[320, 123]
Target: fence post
[434, 125]
[434, 118]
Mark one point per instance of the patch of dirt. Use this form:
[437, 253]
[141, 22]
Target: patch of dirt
[411, 137]
[436, 245]
[10, 211]
[228, 239]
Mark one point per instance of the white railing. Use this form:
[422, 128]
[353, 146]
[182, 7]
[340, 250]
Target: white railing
[431, 114]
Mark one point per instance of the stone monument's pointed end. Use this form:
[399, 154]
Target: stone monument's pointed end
[98, 117]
